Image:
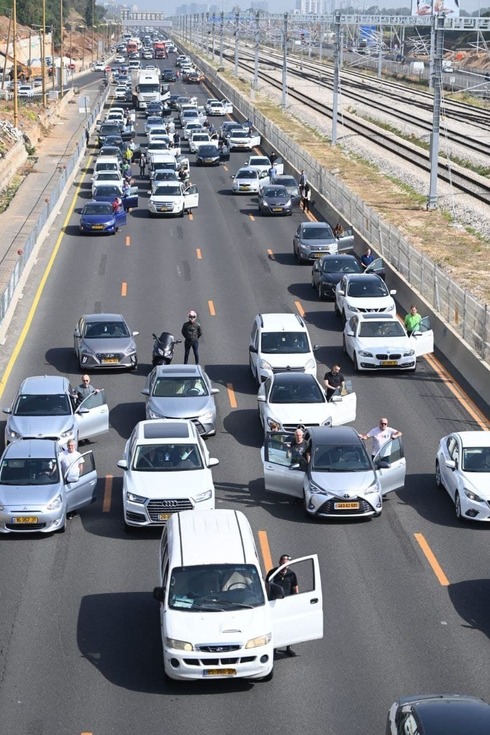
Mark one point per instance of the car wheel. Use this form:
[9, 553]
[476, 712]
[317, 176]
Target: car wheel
[344, 318]
[305, 504]
[457, 507]
[181, 213]
[356, 364]
[439, 482]
[150, 214]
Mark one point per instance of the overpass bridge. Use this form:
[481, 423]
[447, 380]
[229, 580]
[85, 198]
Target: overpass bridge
[136, 19]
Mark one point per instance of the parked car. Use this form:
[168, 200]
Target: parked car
[104, 341]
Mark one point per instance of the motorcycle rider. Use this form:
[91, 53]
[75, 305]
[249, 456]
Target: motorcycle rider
[192, 332]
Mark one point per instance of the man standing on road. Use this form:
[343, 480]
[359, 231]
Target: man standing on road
[288, 582]
[192, 332]
[380, 435]
[412, 320]
[142, 164]
[71, 462]
[367, 258]
[85, 389]
[333, 379]
[303, 179]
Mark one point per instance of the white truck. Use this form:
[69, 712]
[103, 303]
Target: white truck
[145, 88]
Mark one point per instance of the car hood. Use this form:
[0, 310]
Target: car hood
[232, 626]
[287, 360]
[96, 219]
[40, 427]
[479, 482]
[300, 413]
[154, 485]
[28, 497]
[390, 344]
[344, 484]
[180, 408]
[318, 242]
[116, 344]
[330, 277]
[371, 303]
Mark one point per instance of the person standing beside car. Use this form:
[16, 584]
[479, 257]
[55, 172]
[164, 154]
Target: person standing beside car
[192, 332]
[287, 581]
[367, 258]
[333, 380]
[380, 435]
[71, 462]
[412, 320]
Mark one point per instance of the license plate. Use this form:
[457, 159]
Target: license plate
[164, 516]
[219, 672]
[387, 363]
[276, 209]
[163, 209]
[97, 227]
[244, 187]
[25, 520]
[110, 360]
[317, 255]
[209, 160]
[346, 506]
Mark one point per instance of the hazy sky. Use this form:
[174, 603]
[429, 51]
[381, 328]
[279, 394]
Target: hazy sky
[279, 6]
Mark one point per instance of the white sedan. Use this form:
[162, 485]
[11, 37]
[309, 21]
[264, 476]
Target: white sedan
[263, 164]
[172, 198]
[198, 138]
[463, 468]
[248, 181]
[379, 341]
[288, 400]
[359, 293]
[242, 140]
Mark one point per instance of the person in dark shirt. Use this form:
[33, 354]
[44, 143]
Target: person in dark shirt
[287, 581]
[299, 450]
[192, 332]
[367, 258]
[333, 379]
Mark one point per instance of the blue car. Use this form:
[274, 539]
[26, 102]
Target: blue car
[100, 218]
[108, 192]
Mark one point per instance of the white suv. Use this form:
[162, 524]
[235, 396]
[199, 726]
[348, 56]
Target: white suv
[280, 343]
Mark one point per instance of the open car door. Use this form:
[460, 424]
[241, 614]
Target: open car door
[276, 460]
[191, 197]
[120, 217]
[377, 266]
[391, 466]
[298, 618]
[346, 241]
[279, 166]
[131, 200]
[343, 407]
[422, 338]
[227, 107]
[254, 140]
[83, 491]
[92, 416]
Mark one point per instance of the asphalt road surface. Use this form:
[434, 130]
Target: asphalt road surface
[80, 648]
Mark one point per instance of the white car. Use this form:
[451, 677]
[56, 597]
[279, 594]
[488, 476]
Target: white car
[218, 107]
[106, 178]
[24, 90]
[167, 468]
[172, 198]
[463, 468]
[361, 293]
[119, 59]
[280, 343]
[192, 127]
[263, 164]
[198, 138]
[99, 66]
[288, 400]
[241, 140]
[121, 92]
[379, 341]
[248, 181]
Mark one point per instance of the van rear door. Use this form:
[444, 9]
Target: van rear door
[299, 618]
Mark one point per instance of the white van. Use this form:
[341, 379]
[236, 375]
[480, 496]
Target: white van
[217, 620]
[107, 163]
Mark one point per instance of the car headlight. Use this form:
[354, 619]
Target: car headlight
[365, 353]
[264, 365]
[56, 503]
[373, 488]
[288, 203]
[153, 414]
[354, 309]
[69, 432]
[316, 489]
[471, 495]
[390, 308]
[203, 496]
[179, 645]
[304, 245]
[261, 640]
[13, 434]
[207, 416]
[408, 353]
[85, 350]
[311, 364]
[273, 424]
[132, 498]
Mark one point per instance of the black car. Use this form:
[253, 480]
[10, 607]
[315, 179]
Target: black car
[172, 101]
[328, 271]
[168, 75]
[208, 155]
[432, 714]
[154, 108]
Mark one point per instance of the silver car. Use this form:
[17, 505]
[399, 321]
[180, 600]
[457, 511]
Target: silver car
[182, 392]
[34, 495]
[312, 240]
[104, 341]
[44, 408]
[291, 185]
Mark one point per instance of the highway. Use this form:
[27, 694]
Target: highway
[80, 648]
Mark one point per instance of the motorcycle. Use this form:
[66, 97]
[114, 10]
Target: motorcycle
[163, 348]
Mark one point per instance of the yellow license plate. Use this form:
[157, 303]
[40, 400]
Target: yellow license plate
[164, 516]
[25, 520]
[110, 360]
[346, 506]
[219, 672]
[276, 209]
[97, 227]
[389, 362]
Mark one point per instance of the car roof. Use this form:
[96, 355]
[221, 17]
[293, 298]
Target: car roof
[474, 438]
[293, 378]
[104, 317]
[282, 322]
[314, 225]
[45, 384]
[165, 430]
[362, 277]
[334, 435]
[246, 168]
[452, 714]
[39, 448]
[376, 317]
[180, 371]
[275, 189]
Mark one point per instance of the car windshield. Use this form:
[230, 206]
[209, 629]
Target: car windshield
[101, 208]
[246, 175]
[259, 161]
[275, 193]
[366, 288]
[476, 459]
[215, 588]
[317, 233]
[340, 458]
[29, 471]
[107, 191]
[168, 191]
[381, 329]
[105, 330]
[285, 181]
[179, 387]
[110, 129]
[208, 150]
[239, 134]
[304, 392]
[331, 264]
[167, 458]
[284, 343]
[107, 176]
[43, 405]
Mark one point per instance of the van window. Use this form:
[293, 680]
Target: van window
[215, 588]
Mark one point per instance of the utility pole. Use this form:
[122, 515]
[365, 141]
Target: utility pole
[380, 51]
[221, 23]
[257, 46]
[237, 37]
[14, 34]
[336, 77]
[61, 49]
[213, 40]
[438, 25]
[284, 98]
[43, 55]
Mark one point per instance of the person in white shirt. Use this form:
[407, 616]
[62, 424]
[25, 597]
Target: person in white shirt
[380, 435]
[71, 462]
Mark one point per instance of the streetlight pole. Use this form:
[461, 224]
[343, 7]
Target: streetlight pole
[221, 23]
[213, 41]
[336, 77]
[93, 30]
[284, 98]
[438, 25]
[237, 36]
[43, 55]
[257, 45]
[14, 35]
[61, 49]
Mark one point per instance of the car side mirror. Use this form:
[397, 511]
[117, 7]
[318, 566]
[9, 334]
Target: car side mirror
[393, 292]
[261, 399]
[7, 410]
[123, 464]
[350, 334]
[159, 594]
[213, 461]
[383, 464]
[316, 347]
[76, 333]
[296, 466]
[252, 349]
[145, 392]
[213, 390]
[451, 464]
[275, 592]
[135, 334]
